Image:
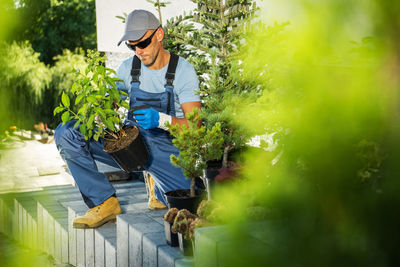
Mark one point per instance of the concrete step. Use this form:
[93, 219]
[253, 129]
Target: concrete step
[43, 219]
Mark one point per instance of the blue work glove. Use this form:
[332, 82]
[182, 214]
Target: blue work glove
[148, 118]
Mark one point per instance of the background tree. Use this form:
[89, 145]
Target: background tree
[210, 42]
[52, 26]
[23, 78]
[62, 78]
[157, 4]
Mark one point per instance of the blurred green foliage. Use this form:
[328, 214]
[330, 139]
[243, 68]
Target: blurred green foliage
[62, 78]
[49, 31]
[6, 18]
[23, 78]
[54, 25]
[29, 89]
[330, 189]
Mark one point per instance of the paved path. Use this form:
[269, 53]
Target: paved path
[30, 165]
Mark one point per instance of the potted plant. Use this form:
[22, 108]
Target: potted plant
[169, 218]
[96, 112]
[181, 226]
[185, 222]
[196, 145]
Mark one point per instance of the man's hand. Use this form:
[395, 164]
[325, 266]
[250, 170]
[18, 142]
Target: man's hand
[147, 118]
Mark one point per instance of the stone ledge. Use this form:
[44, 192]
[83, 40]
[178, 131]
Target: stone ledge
[43, 219]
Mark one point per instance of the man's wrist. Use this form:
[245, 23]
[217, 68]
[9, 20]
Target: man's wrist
[164, 118]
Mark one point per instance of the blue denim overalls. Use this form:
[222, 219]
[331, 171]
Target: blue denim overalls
[81, 155]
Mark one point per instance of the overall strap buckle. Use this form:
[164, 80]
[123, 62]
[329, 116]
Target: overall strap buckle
[170, 75]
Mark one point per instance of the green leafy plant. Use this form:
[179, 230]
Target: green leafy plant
[197, 145]
[96, 103]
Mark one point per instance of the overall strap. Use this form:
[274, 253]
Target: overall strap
[135, 72]
[170, 75]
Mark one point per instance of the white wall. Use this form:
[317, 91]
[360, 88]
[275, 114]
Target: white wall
[110, 29]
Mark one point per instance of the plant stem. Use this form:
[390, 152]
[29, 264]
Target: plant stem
[112, 134]
[225, 157]
[192, 185]
[159, 11]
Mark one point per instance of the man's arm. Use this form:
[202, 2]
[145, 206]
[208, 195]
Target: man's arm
[187, 108]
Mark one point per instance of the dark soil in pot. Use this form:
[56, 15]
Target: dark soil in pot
[181, 199]
[130, 151]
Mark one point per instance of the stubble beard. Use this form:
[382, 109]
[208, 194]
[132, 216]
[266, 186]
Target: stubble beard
[154, 60]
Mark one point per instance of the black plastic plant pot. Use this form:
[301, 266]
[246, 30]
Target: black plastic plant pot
[180, 199]
[212, 169]
[185, 245]
[132, 157]
[210, 173]
[170, 237]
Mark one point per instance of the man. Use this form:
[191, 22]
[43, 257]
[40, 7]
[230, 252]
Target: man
[164, 86]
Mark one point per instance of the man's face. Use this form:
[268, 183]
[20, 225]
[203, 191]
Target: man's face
[149, 54]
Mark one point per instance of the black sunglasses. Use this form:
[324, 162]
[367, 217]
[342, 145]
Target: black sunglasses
[143, 44]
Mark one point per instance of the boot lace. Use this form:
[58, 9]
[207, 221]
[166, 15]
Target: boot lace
[96, 209]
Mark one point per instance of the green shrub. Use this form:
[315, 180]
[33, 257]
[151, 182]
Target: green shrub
[23, 79]
[62, 77]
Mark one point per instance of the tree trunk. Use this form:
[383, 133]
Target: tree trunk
[159, 12]
[225, 157]
[192, 187]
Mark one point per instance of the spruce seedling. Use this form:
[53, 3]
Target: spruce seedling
[197, 145]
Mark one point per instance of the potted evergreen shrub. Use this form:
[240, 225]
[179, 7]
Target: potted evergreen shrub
[196, 145]
[96, 112]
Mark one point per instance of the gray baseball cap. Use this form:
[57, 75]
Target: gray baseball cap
[137, 23]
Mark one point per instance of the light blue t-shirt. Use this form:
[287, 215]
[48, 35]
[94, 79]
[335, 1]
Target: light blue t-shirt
[186, 83]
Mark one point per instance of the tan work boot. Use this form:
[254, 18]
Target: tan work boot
[154, 203]
[99, 215]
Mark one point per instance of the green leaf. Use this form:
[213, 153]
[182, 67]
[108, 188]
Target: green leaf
[74, 88]
[65, 99]
[124, 104]
[114, 120]
[100, 112]
[65, 117]
[82, 129]
[92, 99]
[109, 111]
[58, 110]
[96, 136]
[82, 110]
[76, 124]
[90, 134]
[115, 94]
[90, 121]
[78, 99]
[123, 93]
[109, 124]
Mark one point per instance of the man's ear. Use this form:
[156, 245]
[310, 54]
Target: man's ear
[160, 34]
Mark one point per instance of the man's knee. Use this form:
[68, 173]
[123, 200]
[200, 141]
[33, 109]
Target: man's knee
[63, 133]
[66, 136]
